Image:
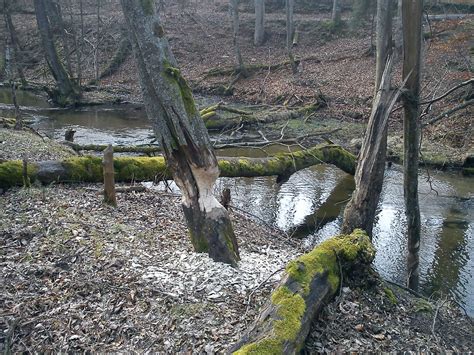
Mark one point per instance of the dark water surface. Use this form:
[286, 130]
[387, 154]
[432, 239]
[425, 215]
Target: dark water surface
[311, 202]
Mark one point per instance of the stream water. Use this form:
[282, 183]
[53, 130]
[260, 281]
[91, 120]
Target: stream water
[311, 202]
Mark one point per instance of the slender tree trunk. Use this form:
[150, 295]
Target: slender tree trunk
[55, 16]
[336, 12]
[384, 38]
[259, 36]
[234, 9]
[289, 7]
[97, 44]
[412, 11]
[13, 43]
[181, 131]
[398, 38]
[66, 92]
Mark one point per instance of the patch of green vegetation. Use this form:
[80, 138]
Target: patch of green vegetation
[87, 169]
[147, 6]
[174, 76]
[390, 295]
[422, 306]
[468, 171]
[323, 259]
[11, 174]
[291, 308]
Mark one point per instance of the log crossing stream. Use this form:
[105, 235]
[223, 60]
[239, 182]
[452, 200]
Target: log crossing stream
[309, 205]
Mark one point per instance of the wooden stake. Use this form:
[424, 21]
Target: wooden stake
[109, 178]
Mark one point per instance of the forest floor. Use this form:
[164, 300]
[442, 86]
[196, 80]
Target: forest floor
[80, 275]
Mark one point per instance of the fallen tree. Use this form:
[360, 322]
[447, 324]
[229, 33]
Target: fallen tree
[310, 281]
[89, 168]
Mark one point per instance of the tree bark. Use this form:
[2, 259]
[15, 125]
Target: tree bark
[234, 10]
[89, 169]
[109, 176]
[66, 93]
[360, 211]
[336, 12]
[289, 7]
[13, 43]
[259, 35]
[309, 283]
[181, 132]
[412, 12]
[384, 39]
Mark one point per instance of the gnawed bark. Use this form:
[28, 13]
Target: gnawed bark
[180, 131]
[309, 283]
[89, 169]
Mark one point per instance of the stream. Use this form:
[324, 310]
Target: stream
[310, 204]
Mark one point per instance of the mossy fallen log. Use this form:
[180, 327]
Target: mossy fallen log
[310, 281]
[89, 168]
[145, 149]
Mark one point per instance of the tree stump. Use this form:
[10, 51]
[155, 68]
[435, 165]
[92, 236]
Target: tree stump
[109, 176]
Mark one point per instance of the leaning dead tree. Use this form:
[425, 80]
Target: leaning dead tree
[181, 132]
[360, 211]
[412, 12]
[66, 92]
[309, 282]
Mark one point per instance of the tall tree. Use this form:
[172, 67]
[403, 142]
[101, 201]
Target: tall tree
[259, 35]
[181, 131]
[360, 211]
[412, 12]
[234, 11]
[13, 43]
[290, 30]
[336, 12]
[65, 93]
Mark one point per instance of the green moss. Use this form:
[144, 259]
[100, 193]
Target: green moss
[291, 308]
[422, 306]
[208, 115]
[147, 6]
[87, 169]
[11, 174]
[175, 77]
[390, 295]
[322, 259]
[139, 168]
[468, 171]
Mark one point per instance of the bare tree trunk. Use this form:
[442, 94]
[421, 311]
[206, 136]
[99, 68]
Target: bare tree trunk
[336, 12]
[181, 131]
[384, 38]
[55, 16]
[289, 7]
[360, 211]
[234, 9]
[97, 43]
[259, 36]
[13, 43]
[398, 30]
[412, 11]
[109, 176]
[66, 93]
[79, 47]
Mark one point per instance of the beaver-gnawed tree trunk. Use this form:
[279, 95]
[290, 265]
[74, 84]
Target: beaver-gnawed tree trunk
[360, 211]
[412, 12]
[66, 93]
[179, 128]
